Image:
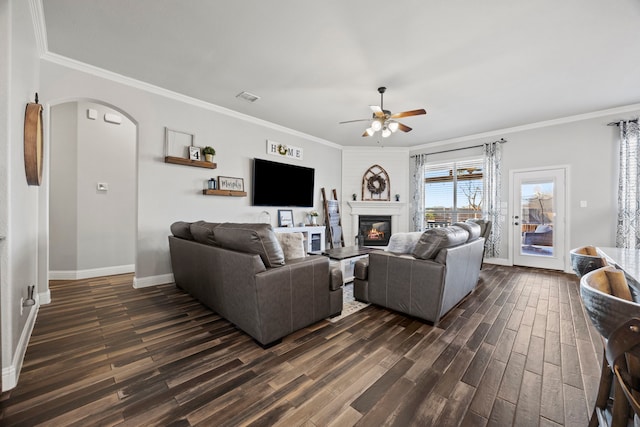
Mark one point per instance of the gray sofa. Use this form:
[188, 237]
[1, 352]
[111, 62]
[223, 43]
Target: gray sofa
[239, 271]
[429, 279]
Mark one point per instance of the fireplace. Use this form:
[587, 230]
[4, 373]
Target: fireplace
[374, 230]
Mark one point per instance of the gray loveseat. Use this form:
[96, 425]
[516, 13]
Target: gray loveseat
[428, 280]
[239, 271]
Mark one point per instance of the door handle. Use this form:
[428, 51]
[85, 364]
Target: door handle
[516, 223]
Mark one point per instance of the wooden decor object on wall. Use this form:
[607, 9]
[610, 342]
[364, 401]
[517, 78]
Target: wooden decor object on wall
[376, 184]
[33, 142]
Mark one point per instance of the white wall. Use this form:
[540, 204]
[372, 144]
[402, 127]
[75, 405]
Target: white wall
[168, 192]
[19, 203]
[106, 219]
[355, 162]
[63, 178]
[590, 148]
[92, 233]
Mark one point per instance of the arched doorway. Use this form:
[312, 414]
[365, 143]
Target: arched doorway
[92, 190]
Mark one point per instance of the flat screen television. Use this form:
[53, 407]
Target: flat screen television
[282, 184]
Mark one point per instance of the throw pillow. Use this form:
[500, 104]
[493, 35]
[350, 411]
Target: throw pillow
[482, 223]
[182, 229]
[618, 284]
[472, 228]
[292, 245]
[403, 243]
[435, 239]
[251, 238]
[544, 228]
[203, 232]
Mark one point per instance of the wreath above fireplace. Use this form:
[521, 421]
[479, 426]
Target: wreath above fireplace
[376, 184]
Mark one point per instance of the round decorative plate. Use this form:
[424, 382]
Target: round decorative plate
[33, 143]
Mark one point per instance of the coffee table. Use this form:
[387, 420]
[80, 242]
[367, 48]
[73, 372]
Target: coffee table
[346, 258]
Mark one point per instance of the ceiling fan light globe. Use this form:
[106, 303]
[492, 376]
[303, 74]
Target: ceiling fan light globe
[370, 131]
[393, 126]
[385, 132]
[376, 125]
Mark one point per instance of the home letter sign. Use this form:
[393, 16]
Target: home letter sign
[282, 150]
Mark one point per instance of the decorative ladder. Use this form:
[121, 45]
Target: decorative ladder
[332, 217]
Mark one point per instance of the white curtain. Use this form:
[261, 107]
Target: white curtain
[628, 229]
[492, 190]
[417, 192]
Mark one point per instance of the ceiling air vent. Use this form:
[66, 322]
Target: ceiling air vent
[249, 97]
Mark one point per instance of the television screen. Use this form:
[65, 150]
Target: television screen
[281, 184]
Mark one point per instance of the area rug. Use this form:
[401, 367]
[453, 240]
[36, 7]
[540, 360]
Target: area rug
[349, 304]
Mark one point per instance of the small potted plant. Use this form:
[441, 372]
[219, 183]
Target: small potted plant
[353, 196]
[208, 153]
[313, 215]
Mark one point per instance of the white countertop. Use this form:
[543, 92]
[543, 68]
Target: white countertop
[626, 259]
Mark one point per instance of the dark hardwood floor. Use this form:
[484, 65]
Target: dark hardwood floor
[519, 351]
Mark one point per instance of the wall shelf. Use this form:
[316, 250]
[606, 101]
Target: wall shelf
[188, 162]
[229, 193]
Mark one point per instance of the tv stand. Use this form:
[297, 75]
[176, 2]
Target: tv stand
[314, 236]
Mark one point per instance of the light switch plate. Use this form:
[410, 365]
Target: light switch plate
[102, 186]
[583, 203]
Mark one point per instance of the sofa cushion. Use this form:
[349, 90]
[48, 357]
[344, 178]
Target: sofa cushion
[483, 223]
[360, 269]
[472, 228]
[292, 245]
[203, 232]
[543, 228]
[435, 239]
[251, 238]
[403, 243]
[182, 230]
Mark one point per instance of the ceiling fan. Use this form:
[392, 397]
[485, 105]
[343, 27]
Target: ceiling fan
[384, 121]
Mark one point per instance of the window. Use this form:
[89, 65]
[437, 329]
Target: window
[452, 192]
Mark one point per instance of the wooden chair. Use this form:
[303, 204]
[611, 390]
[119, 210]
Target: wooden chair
[623, 355]
[586, 259]
[609, 303]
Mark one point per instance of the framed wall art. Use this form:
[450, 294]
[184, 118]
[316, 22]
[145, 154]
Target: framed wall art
[195, 153]
[285, 218]
[229, 183]
[178, 143]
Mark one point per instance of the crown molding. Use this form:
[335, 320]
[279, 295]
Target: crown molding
[157, 90]
[633, 108]
[39, 26]
[370, 148]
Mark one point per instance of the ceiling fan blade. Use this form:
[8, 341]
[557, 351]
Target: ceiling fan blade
[377, 111]
[365, 133]
[352, 121]
[404, 128]
[408, 113]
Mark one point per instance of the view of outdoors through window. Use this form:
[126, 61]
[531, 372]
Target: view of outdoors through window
[452, 192]
[536, 217]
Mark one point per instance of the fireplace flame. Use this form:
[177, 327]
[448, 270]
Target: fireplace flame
[374, 234]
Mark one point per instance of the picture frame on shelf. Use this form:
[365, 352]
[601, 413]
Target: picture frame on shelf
[285, 218]
[230, 183]
[195, 153]
[178, 143]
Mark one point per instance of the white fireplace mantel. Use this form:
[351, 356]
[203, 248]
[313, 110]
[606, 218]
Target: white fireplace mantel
[374, 207]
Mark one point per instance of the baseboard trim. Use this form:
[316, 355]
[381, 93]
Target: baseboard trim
[45, 297]
[11, 373]
[93, 272]
[144, 282]
[498, 261]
